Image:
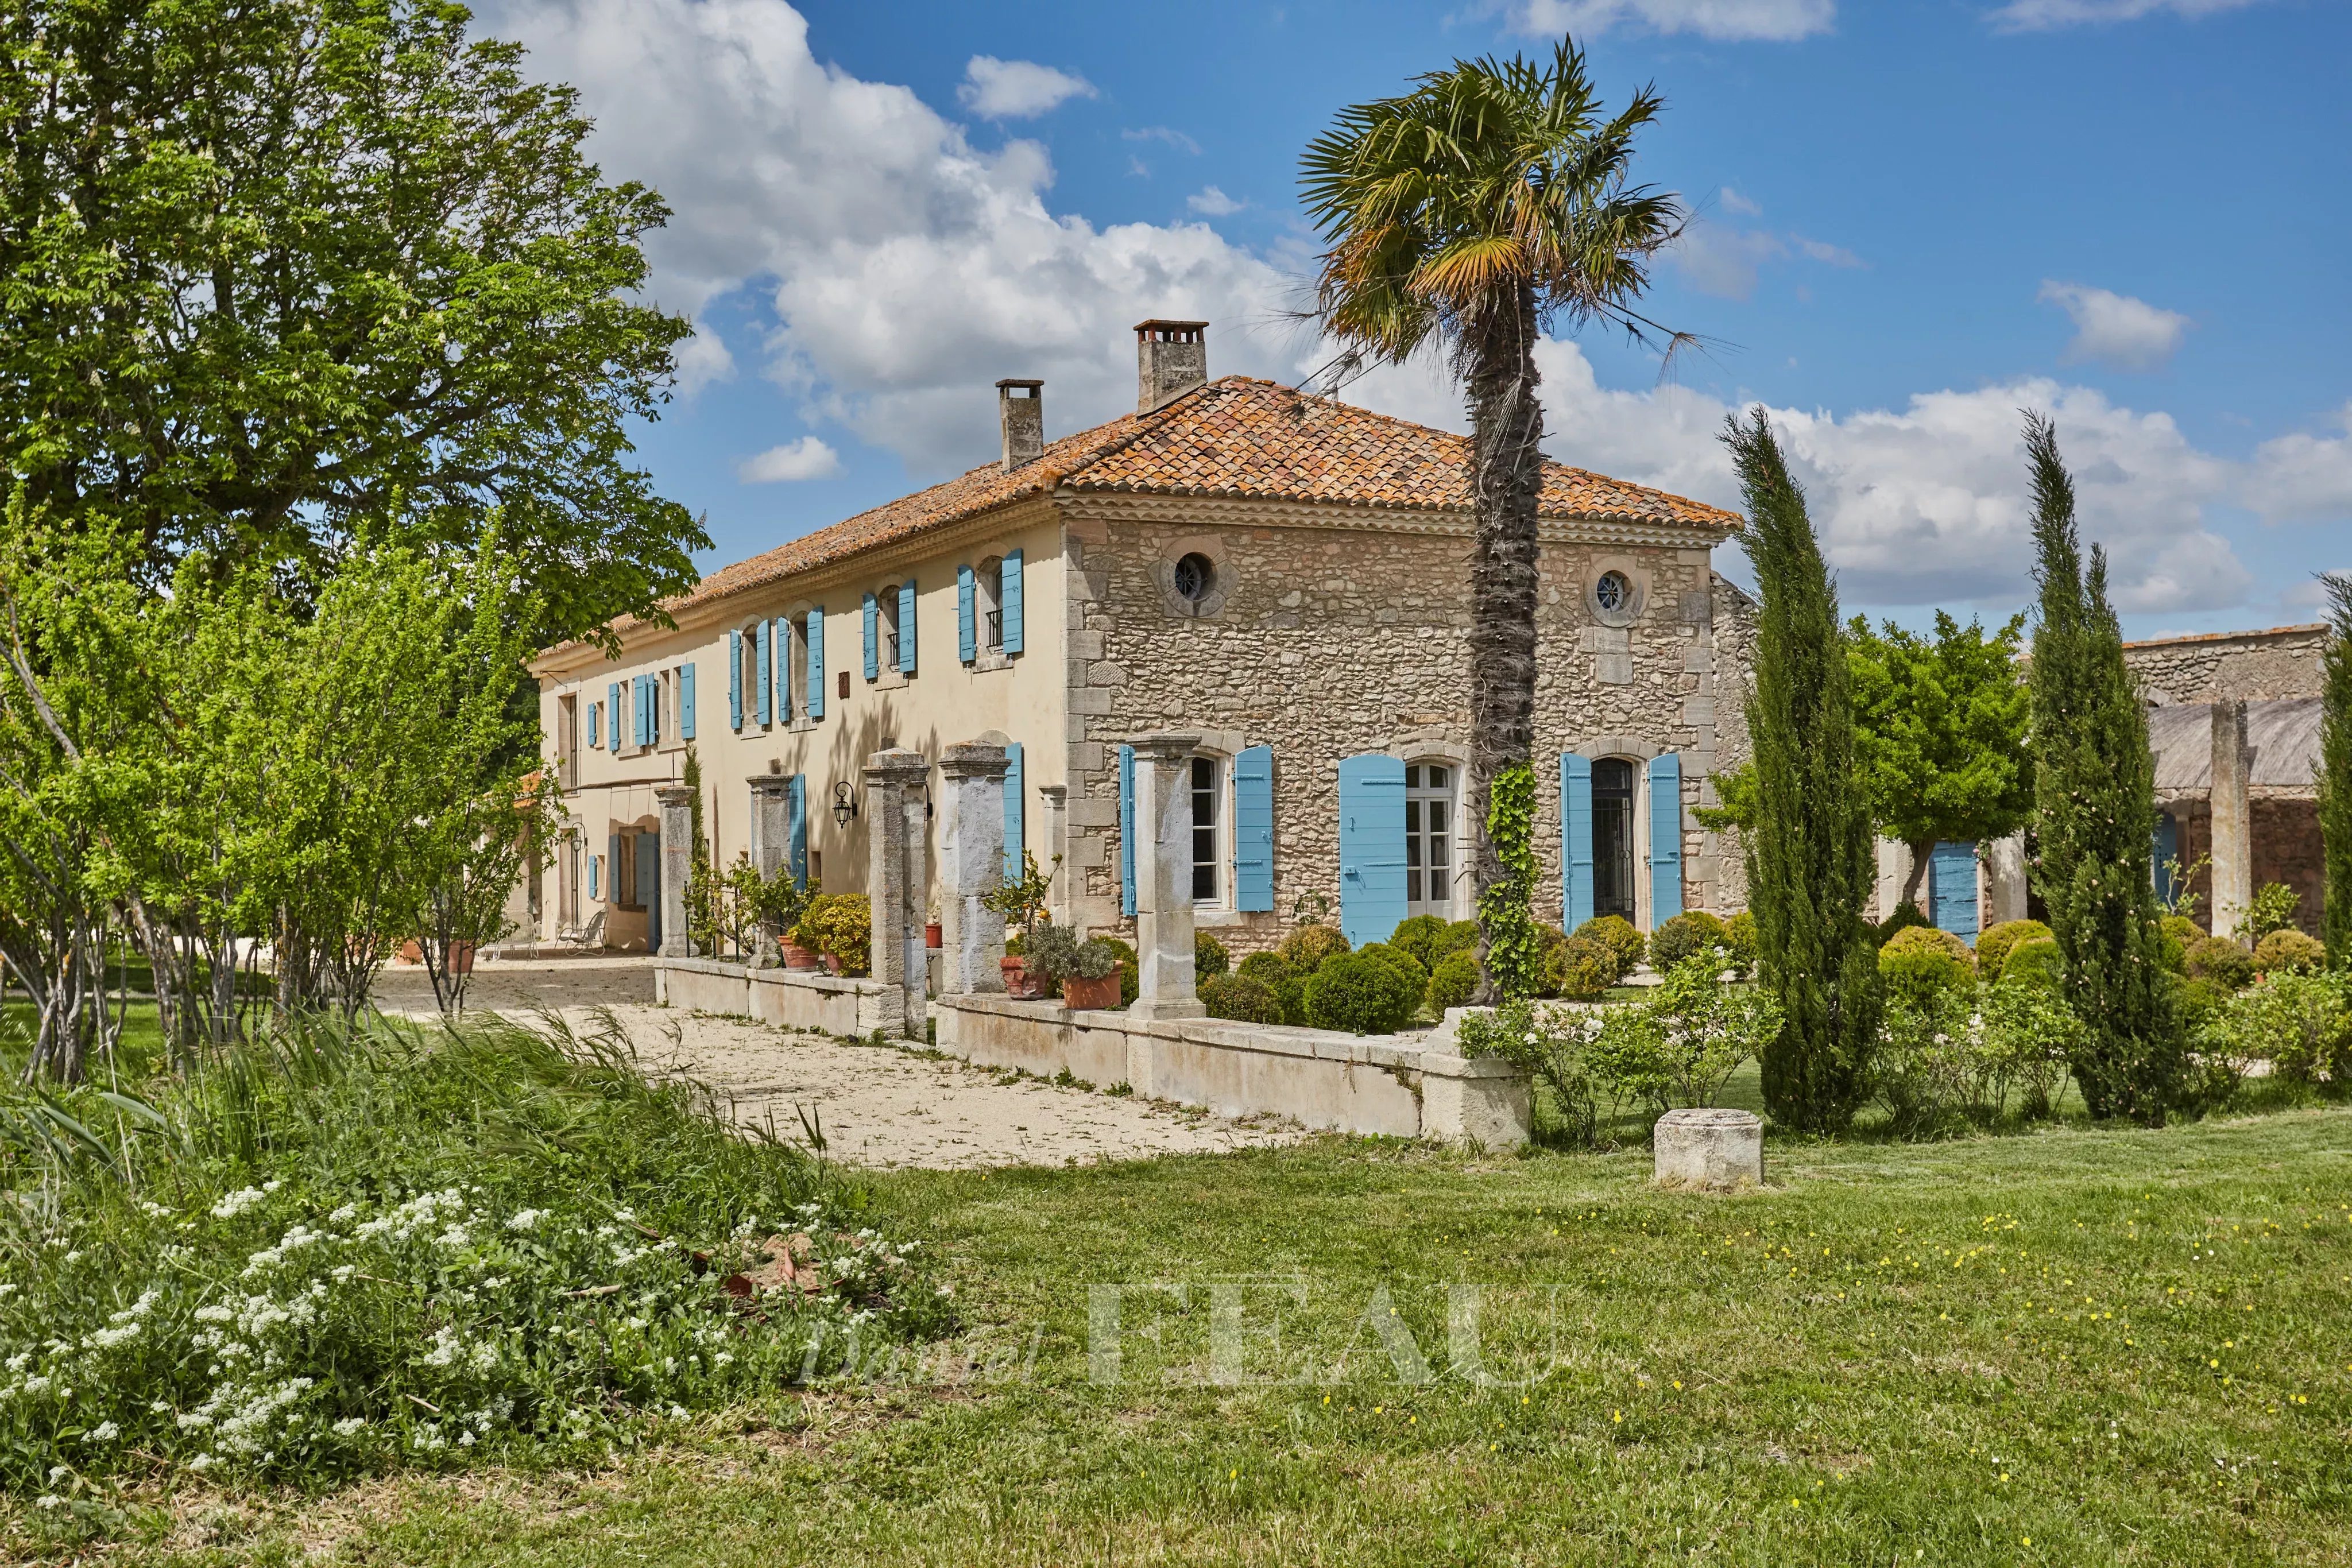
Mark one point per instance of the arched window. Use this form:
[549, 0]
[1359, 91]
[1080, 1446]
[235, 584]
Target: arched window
[1430, 791]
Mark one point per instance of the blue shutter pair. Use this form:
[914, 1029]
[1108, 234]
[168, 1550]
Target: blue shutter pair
[816, 663]
[1371, 847]
[1016, 816]
[613, 707]
[1576, 838]
[735, 677]
[796, 855]
[967, 614]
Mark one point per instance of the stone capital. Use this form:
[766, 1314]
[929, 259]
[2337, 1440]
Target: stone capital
[770, 783]
[673, 795]
[1166, 745]
[1055, 793]
[974, 759]
[897, 767]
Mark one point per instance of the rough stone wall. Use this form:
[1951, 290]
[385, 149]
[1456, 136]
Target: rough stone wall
[2287, 849]
[2284, 663]
[1330, 641]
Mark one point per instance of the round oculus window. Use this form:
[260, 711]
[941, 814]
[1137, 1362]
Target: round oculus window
[1194, 576]
[1612, 592]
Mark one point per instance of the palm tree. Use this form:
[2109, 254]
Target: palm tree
[1475, 213]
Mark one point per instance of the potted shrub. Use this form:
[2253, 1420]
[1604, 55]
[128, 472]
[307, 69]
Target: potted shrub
[839, 926]
[1022, 900]
[931, 935]
[1049, 956]
[1093, 982]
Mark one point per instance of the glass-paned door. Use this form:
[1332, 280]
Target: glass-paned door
[1429, 839]
[1613, 837]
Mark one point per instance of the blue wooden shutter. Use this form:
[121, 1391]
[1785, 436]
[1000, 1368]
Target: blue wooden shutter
[796, 855]
[1017, 812]
[685, 701]
[612, 868]
[873, 639]
[735, 678]
[781, 632]
[764, 671]
[2166, 847]
[1576, 838]
[907, 627]
[612, 706]
[1665, 838]
[1254, 830]
[650, 891]
[595, 726]
[1371, 847]
[1008, 596]
[816, 663]
[967, 615]
[1127, 829]
[1953, 868]
[641, 704]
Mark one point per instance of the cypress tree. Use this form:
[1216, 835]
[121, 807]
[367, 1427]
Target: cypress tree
[1810, 863]
[2095, 800]
[2335, 774]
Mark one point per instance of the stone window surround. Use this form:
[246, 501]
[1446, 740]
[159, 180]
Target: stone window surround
[1163, 576]
[1221, 745]
[1637, 577]
[1642, 752]
[1425, 745]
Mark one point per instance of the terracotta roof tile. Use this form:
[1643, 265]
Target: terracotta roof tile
[1235, 437]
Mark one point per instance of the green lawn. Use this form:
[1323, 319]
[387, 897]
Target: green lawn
[2072, 1346]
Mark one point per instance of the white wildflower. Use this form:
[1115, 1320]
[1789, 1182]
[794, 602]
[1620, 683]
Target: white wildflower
[237, 1202]
[189, 1420]
[350, 1425]
[105, 1432]
[525, 1219]
[49, 1500]
[344, 1215]
[201, 1463]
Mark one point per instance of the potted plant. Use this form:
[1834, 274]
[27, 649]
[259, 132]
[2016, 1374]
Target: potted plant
[1048, 955]
[1022, 899]
[1092, 982]
[932, 920]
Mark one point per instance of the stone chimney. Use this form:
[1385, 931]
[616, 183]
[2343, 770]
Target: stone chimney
[1171, 358]
[1021, 410]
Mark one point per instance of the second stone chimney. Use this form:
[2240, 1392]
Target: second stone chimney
[1021, 410]
[1171, 358]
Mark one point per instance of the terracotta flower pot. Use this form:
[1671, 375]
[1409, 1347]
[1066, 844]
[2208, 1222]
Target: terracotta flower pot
[931, 937]
[1017, 983]
[833, 963]
[1091, 995]
[799, 957]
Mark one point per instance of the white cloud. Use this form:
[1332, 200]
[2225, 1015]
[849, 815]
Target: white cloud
[906, 268]
[1174, 138]
[1726, 19]
[1212, 203]
[1718, 259]
[1924, 504]
[808, 458]
[2036, 15]
[2116, 328]
[1824, 252]
[1733, 201]
[2304, 479]
[1017, 89]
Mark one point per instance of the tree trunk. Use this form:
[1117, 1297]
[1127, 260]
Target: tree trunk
[1922, 855]
[1506, 476]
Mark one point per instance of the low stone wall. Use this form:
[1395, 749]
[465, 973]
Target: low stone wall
[1319, 1078]
[795, 998]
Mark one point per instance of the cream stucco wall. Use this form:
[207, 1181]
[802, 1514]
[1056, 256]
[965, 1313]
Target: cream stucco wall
[1017, 697]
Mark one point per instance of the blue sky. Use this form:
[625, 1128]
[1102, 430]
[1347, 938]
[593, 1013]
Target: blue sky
[1912, 220]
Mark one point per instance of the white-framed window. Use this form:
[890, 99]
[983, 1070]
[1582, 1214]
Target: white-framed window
[1207, 788]
[989, 588]
[1431, 790]
[887, 618]
[747, 675]
[567, 736]
[792, 664]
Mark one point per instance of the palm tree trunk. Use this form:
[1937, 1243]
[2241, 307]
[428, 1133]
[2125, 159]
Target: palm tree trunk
[1506, 474]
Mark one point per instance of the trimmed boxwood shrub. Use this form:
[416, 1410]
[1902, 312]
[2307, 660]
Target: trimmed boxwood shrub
[1265, 968]
[1404, 964]
[1687, 934]
[1349, 991]
[1920, 963]
[1615, 933]
[2220, 960]
[1740, 936]
[2035, 963]
[1906, 914]
[1419, 934]
[2289, 952]
[1307, 947]
[1208, 957]
[1454, 982]
[1582, 969]
[1995, 943]
[1239, 997]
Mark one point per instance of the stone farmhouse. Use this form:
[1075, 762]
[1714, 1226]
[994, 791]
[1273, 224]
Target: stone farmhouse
[1283, 575]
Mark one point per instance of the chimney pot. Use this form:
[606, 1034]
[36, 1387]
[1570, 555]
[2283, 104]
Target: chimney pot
[1171, 358]
[1021, 411]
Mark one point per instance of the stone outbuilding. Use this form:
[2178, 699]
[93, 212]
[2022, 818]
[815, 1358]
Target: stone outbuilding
[1283, 575]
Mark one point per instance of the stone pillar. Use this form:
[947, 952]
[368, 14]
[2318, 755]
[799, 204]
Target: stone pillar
[2234, 828]
[677, 862]
[2005, 886]
[1165, 983]
[1059, 902]
[772, 836]
[1894, 871]
[972, 863]
[893, 890]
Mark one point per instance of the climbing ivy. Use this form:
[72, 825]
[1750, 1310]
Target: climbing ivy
[1505, 910]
